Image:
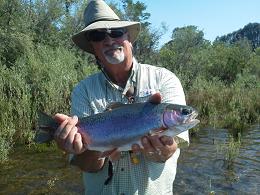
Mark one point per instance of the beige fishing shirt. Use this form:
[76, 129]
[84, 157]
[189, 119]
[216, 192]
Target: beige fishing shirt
[93, 94]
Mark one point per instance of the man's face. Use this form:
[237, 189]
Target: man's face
[111, 46]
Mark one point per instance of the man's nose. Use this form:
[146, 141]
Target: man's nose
[108, 40]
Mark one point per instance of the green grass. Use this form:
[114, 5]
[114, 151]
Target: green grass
[230, 150]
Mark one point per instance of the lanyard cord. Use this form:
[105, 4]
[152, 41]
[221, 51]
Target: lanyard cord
[130, 95]
[131, 92]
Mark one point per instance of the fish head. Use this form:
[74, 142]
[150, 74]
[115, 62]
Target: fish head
[177, 115]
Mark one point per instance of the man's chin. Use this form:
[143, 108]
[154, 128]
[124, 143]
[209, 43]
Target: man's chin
[113, 60]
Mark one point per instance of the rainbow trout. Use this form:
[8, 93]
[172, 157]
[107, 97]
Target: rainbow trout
[126, 124]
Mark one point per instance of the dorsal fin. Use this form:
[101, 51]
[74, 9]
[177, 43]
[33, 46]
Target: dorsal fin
[114, 105]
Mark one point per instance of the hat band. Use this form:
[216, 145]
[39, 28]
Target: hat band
[102, 19]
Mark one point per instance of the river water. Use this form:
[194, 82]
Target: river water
[202, 168]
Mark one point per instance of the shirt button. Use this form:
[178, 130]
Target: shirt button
[122, 169]
[122, 194]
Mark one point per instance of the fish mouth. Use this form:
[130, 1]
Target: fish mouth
[178, 115]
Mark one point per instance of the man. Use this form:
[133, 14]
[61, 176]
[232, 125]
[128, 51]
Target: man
[149, 168]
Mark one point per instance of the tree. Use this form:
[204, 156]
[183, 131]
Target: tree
[227, 61]
[185, 53]
[15, 34]
[254, 62]
[250, 32]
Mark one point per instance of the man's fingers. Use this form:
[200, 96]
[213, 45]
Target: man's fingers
[166, 140]
[60, 129]
[155, 141]
[158, 146]
[60, 117]
[155, 98]
[136, 148]
[70, 140]
[77, 144]
[147, 145]
[66, 135]
[69, 126]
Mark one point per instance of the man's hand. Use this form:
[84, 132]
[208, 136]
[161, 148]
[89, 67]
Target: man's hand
[156, 148]
[67, 136]
[70, 140]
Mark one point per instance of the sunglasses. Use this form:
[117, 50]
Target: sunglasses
[97, 36]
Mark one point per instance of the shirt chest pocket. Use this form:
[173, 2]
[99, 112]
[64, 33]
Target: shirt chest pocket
[144, 94]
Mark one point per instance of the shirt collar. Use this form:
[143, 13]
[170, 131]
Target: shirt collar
[135, 69]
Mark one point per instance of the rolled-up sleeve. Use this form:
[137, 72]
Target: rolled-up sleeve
[80, 105]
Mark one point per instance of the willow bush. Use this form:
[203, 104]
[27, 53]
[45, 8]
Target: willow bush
[14, 104]
[41, 80]
[220, 106]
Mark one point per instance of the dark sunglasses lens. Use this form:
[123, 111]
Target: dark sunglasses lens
[116, 33]
[96, 36]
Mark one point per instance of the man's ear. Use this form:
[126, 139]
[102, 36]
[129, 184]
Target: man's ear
[131, 45]
[128, 38]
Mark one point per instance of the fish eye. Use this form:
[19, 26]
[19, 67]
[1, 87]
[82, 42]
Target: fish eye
[185, 111]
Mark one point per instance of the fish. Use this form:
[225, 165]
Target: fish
[122, 125]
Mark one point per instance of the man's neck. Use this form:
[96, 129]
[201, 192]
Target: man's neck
[119, 76]
[118, 73]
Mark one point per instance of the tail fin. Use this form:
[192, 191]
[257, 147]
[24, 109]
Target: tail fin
[46, 128]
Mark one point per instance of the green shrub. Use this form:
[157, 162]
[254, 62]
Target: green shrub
[42, 81]
[221, 106]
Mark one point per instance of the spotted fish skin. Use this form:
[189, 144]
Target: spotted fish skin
[126, 124]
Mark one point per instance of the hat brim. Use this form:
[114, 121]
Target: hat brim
[133, 29]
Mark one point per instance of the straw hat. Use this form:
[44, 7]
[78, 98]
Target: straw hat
[98, 15]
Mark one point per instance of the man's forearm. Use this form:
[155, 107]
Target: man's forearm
[88, 161]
